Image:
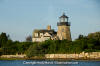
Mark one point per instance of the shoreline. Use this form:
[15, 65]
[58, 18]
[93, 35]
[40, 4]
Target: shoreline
[81, 56]
[53, 59]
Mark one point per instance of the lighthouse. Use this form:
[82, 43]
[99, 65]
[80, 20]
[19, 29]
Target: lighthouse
[63, 28]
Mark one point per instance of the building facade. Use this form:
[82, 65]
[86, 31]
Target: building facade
[63, 28]
[63, 32]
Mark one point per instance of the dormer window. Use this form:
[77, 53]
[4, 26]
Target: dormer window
[41, 34]
[36, 34]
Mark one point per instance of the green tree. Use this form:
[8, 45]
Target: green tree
[3, 39]
[34, 50]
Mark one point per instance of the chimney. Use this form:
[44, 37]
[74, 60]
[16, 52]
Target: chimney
[48, 27]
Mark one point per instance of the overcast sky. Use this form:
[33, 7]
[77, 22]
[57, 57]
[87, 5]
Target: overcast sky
[19, 18]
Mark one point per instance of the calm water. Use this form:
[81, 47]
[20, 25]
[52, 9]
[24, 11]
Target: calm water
[48, 63]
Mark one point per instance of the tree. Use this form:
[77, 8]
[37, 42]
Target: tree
[34, 50]
[29, 38]
[3, 39]
[95, 35]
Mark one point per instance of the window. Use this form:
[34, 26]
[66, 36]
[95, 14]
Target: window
[41, 34]
[36, 34]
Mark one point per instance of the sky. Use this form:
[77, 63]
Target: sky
[19, 18]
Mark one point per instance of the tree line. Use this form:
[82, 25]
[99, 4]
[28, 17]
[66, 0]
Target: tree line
[90, 43]
[8, 46]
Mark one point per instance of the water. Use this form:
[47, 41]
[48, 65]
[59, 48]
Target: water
[47, 63]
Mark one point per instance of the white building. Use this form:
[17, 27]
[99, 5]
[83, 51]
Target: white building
[44, 34]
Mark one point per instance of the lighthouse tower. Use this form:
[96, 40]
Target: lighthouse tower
[63, 28]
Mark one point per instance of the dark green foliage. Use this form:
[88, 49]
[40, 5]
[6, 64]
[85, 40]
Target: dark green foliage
[16, 47]
[12, 47]
[0, 51]
[35, 50]
[90, 43]
[23, 46]
[3, 39]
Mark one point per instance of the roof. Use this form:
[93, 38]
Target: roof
[43, 31]
[51, 32]
[64, 16]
